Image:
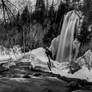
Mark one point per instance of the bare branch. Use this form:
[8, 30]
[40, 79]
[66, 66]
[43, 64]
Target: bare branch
[12, 4]
[10, 12]
[3, 5]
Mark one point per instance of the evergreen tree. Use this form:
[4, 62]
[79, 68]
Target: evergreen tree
[87, 12]
[52, 13]
[39, 13]
[17, 18]
[40, 5]
[62, 10]
[52, 32]
[18, 22]
[25, 16]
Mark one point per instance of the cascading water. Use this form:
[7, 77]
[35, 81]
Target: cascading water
[71, 21]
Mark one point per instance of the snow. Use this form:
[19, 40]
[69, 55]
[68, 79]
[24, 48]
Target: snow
[40, 54]
[13, 53]
[63, 69]
[83, 73]
[38, 58]
[4, 57]
[21, 80]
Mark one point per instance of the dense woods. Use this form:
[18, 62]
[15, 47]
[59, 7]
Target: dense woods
[37, 28]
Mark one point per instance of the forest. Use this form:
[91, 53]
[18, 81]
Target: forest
[32, 29]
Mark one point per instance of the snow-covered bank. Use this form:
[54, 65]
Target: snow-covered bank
[40, 54]
[63, 69]
[83, 73]
[13, 53]
[38, 59]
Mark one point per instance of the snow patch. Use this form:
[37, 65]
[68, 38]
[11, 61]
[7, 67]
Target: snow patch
[40, 54]
[38, 58]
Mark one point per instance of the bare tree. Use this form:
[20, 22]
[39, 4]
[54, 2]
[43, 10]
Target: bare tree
[6, 7]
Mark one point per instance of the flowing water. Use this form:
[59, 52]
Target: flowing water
[70, 24]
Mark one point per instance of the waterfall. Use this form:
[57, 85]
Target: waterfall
[65, 47]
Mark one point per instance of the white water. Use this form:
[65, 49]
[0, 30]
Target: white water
[65, 47]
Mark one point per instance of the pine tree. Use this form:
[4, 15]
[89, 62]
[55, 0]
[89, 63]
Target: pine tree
[87, 12]
[52, 13]
[39, 13]
[52, 32]
[18, 22]
[40, 5]
[18, 18]
[25, 16]
[25, 19]
[63, 8]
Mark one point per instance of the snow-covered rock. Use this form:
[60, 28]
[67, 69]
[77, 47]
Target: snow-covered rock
[40, 54]
[85, 60]
[39, 59]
